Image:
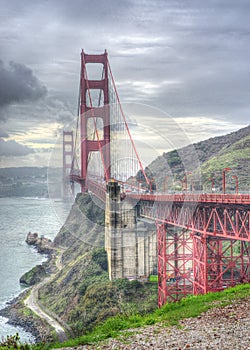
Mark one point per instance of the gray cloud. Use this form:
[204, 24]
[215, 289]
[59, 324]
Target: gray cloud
[18, 84]
[3, 133]
[13, 148]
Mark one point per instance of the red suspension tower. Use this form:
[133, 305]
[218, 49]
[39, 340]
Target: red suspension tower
[93, 112]
[68, 154]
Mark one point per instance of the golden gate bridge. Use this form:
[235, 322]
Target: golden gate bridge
[203, 240]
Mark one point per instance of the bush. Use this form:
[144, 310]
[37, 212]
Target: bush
[121, 283]
[99, 256]
[13, 342]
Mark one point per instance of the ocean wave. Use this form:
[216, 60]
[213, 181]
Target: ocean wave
[35, 198]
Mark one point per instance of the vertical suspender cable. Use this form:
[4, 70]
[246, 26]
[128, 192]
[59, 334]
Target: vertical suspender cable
[127, 128]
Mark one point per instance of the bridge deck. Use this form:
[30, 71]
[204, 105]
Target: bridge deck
[243, 199]
[195, 198]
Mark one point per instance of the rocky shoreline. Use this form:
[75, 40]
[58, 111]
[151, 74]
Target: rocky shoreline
[15, 311]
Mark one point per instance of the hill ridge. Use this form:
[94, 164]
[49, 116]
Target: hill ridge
[191, 157]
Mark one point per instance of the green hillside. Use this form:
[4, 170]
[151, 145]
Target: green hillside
[236, 157]
[81, 293]
[204, 160]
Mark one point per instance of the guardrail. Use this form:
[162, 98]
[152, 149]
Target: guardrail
[195, 198]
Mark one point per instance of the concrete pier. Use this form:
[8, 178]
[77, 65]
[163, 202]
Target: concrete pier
[131, 246]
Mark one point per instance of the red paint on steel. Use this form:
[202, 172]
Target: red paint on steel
[68, 154]
[195, 198]
[162, 279]
[88, 146]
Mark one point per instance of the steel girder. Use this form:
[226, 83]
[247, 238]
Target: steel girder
[200, 250]
[224, 220]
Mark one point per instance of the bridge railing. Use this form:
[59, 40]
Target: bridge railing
[196, 198]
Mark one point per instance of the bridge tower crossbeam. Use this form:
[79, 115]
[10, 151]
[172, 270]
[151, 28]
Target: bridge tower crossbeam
[89, 110]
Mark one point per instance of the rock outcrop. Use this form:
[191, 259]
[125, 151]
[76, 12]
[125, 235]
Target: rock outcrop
[42, 244]
[35, 275]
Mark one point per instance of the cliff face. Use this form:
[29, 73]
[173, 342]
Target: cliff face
[85, 224]
[81, 293]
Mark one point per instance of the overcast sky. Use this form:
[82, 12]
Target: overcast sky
[189, 58]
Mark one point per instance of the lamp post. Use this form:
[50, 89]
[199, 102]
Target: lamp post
[165, 188]
[192, 185]
[212, 182]
[185, 181]
[152, 185]
[224, 179]
[236, 183]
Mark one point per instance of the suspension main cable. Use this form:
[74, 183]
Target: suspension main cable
[127, 128]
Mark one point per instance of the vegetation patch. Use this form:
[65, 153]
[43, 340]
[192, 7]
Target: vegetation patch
[169, 314]
[35, 275]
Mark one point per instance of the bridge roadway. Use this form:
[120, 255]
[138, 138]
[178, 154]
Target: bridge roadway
[222, 215]
[100, 191]
[226, 216]
[197, 198]
[201, 255]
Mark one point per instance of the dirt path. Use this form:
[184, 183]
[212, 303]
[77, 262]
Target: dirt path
[32, 303]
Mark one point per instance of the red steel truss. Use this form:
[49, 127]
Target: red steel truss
[162, 275]
[219, 263]
[225, 220]
[204, 247]
[175, 255]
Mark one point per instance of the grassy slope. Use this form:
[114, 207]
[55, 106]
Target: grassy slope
[169, 314]
[235, 156]
[211, 156]
[82, 294]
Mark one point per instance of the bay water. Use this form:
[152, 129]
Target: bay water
[18, 216]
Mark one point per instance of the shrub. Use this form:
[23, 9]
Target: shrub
[99, 256]
[13, 342]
